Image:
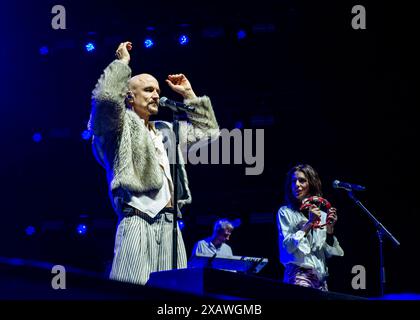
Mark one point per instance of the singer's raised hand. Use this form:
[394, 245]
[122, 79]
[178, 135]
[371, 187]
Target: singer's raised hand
[180, 84]
[122, 51]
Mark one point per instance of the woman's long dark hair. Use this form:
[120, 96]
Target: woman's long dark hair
[315, 186]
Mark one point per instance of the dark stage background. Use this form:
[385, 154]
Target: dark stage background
[340, 99]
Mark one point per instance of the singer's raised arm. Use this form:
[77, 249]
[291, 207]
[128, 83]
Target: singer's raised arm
[202, 123]
[108, 97]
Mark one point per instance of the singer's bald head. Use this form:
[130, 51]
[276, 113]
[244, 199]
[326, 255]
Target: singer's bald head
[143, 95]
[141, 79]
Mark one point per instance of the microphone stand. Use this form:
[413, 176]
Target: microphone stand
[175, 127]
[380, 231]
[175, 166]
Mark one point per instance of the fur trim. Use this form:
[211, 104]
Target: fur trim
[202, 123]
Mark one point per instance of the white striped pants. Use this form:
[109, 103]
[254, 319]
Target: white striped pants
[144, 245]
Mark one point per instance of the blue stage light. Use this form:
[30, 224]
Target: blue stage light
[43, 50]
[37, 137]
[30, 230]
[148, 43]
[236, 223]
[81, 229]
[239, 124]
[241, 34]
[183, 40]
[90, 46]
[86, 135]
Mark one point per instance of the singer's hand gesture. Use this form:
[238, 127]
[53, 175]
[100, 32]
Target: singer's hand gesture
[122, 51]
[180, 84]
[331, 220]
[314, 214]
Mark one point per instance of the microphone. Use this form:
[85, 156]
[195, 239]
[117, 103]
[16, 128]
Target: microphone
[347, 186]
[175, 106]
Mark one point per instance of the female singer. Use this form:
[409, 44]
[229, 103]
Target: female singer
[306, 237]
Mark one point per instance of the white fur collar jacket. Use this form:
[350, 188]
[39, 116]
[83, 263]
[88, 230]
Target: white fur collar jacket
[122, 145]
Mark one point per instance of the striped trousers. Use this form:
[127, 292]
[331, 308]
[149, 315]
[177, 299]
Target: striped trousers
[304, 277]
[144, 245]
